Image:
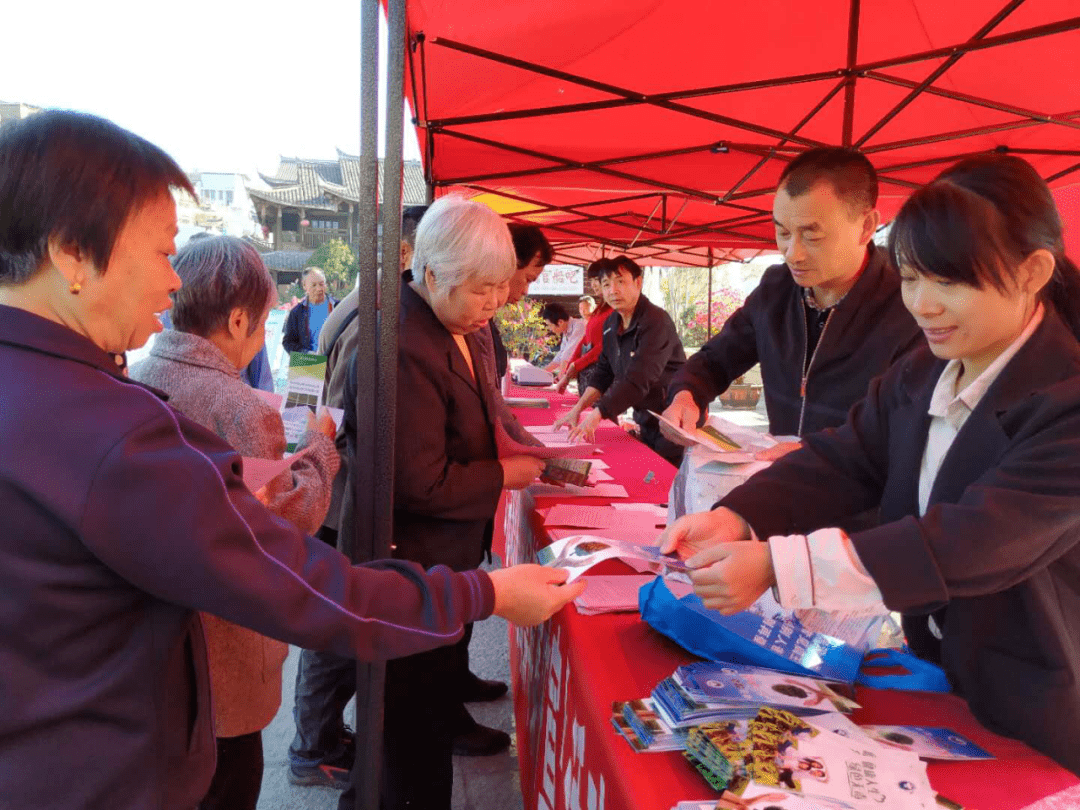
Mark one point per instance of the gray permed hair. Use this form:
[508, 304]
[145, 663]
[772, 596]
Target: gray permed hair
[219, 274]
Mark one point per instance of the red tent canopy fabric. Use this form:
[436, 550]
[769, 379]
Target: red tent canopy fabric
[661, 127]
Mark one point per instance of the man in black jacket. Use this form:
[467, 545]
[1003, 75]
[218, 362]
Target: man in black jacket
[825, 322]
[641, 354]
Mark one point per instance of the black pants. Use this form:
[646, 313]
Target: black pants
[238, 778]
[422, 713]
[655, 441]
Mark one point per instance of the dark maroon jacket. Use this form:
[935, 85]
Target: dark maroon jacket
[999, 545]
[866, 332]
[121, 518]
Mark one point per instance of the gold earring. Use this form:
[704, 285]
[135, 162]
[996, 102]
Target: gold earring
[75, 288]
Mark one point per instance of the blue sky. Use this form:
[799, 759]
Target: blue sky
[221, 86]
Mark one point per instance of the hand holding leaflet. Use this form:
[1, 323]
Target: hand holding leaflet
[581, 552]
[707, 435]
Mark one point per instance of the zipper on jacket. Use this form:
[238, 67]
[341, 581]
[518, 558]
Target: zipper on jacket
[806, 365]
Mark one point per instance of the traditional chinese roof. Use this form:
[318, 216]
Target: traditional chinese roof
[325, 184]
[286, 259]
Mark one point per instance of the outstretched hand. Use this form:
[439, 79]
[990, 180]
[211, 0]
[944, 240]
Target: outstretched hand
[567, 420]
[684, 412]
[692, 534]
[729, 571]
[585, 429]
[730, 577]
[528, 594]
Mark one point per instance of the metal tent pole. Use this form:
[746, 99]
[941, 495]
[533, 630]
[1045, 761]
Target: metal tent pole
[709, 329]
[366, 544]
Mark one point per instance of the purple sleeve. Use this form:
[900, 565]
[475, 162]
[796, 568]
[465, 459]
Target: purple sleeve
[187, 531]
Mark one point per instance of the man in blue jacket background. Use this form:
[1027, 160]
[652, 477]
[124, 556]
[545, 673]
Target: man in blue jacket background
[307, 318]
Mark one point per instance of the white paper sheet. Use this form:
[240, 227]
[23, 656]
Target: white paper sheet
[615, 593]
[599, 491]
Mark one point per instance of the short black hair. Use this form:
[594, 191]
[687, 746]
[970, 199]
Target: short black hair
[618, 263]
[410, 218]
[554, 312]
[596, 269]
[847, 170]
[977, 221]
[75, 177]
[528, 242]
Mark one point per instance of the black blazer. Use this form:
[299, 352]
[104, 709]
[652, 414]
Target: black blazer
[999, 543]
[447, 477]
[866, 333]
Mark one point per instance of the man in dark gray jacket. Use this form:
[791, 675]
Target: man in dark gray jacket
[824, 323]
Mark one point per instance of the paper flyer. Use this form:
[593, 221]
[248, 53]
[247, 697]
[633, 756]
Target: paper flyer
[508, 446]
[258, 472]
[578, 553]
[707, 435]
[303, 395]
[928, 742]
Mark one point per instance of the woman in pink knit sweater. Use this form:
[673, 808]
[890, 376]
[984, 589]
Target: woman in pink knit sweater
[219, 316]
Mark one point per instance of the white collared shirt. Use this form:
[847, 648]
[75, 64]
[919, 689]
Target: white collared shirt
[822, 569]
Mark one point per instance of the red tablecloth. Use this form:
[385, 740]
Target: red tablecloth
[567, 673]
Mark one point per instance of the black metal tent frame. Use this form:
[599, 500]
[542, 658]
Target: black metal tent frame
[657, 236]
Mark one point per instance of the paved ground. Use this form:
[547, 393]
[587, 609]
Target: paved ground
[480, 783]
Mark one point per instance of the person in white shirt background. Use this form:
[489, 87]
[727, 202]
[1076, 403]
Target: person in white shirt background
[569, 330]
[968, 447]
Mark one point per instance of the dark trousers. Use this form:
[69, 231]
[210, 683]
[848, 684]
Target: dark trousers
[238, 778]
[422, 713]
[325, 683]
[655, 441]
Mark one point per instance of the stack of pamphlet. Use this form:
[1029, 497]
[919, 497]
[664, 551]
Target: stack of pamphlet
[639, 724]
[563, 471]
[704, 692]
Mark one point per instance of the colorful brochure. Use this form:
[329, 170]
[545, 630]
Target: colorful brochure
[927, 742]
[578, 553]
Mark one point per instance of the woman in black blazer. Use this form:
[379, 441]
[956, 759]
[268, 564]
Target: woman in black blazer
[969, 447]
[448, 474]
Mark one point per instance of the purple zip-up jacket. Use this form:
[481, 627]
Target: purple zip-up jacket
[120, 519]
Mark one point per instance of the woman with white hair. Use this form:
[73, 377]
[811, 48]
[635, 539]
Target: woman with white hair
[219, 315]
[448, 475]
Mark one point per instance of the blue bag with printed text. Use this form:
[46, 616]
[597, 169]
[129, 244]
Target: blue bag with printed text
[752, 637]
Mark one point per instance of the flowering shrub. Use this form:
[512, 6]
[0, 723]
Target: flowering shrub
[694, 319]
[524, 332]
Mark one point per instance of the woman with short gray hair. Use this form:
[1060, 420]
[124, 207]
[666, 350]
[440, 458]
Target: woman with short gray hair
[448, 479]
[219, 317]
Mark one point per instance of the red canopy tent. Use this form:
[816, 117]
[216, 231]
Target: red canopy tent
[660, 128]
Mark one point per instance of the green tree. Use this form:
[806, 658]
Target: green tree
[339, 265]
[524, 333]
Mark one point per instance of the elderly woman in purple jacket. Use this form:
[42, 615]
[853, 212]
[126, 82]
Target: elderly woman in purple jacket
[122, 518]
